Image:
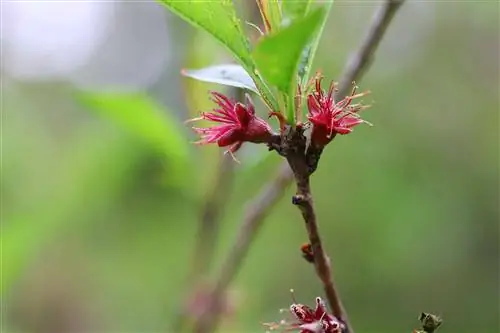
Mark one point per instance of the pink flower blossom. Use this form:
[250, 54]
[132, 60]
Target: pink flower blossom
[308, 320]
[237, 124]
[330, 118]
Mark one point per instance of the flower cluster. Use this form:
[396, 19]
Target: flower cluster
[308, 320]
[330, 118]
[237, 122]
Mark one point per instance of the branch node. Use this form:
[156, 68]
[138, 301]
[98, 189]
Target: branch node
[298, 199]
[307, 252]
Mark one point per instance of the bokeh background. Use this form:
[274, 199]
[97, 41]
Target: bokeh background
[100, 210]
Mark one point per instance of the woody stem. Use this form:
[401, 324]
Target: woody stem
[303, 199]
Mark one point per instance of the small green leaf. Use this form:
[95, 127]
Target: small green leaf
[294, 9]
[278, 55]
[142, 117]
[229, 75]
[310, 51]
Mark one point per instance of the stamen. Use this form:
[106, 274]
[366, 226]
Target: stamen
[256, 27]
[331, 89]
[360, 94]
[353, 91]
[292, 292]
[232, 156]
[193, 120]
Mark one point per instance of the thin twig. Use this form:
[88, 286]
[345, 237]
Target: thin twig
[304, 201]
[356, 67]
[207, 235]
[208, 232]
[208, 228]
[361, 61]
[252, 222]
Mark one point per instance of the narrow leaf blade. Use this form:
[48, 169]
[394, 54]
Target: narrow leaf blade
[277, 56]
[229, 75]
[310, 51]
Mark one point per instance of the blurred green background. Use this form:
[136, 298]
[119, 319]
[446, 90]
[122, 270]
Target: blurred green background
[100, 208]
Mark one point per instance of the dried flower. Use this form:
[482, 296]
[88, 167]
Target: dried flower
[238, 124]
[430, 322]
[330, 118]
[308, 320]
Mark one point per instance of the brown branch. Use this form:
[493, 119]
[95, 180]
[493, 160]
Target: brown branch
[252, 222]
[304, 201]
[298, 161]
[354, 70]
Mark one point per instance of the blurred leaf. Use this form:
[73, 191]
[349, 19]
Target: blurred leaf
[310, 51]
[139, 115]
[278, 55]
[91, 175]
[229, 75]
[294, 9]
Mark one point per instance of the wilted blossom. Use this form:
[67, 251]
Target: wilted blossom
[329, 117]
[308, 320]
[237, 124]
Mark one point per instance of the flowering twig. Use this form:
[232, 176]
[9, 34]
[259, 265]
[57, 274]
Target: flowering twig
[304, 200]
[359, 63]
[355, 68]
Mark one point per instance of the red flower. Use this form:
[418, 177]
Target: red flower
[238, 124]
[329, 117]
[308, 320]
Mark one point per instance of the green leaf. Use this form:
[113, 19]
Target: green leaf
[218, 18]
[278, 55]
[310, 51]
[229, 75]
[142, 117]
[294, 9]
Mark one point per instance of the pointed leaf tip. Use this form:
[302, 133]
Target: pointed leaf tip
[229, 75]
